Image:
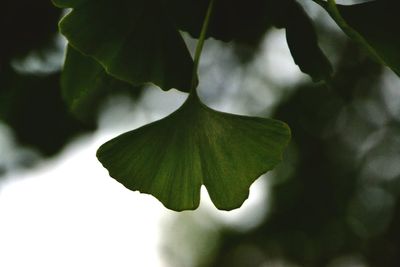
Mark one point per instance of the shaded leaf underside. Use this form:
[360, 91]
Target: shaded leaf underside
[171, 158]
[85, 85]
[135, 41]
[303, 44]
[231, 19]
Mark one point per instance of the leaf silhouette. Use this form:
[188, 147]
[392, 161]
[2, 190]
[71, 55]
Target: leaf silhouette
[303, 44]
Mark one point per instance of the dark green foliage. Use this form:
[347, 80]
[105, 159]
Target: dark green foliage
[301, 38]
[25, 26]
[383, 34]
[303, 44]
[135, 41]
[33, 107]
[231, 19]
[375, 25]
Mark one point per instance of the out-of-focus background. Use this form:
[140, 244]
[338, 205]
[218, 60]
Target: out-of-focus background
[333, 201]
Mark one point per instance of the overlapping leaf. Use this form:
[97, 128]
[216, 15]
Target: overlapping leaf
[303, 44]
[173, 157]
[85, 85]
[231, 19]
[301, 38]
[134, 40]
[375, 25]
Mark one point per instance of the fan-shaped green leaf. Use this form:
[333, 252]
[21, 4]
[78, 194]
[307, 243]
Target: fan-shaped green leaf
[85, 84]
[171, 158]
[134, 40]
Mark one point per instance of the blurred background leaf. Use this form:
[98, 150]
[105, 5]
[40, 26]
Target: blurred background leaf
[32, 106]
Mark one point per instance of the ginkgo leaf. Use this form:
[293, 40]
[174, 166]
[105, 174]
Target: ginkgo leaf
[303, 44]
[171, 158]
[374, 25]
[85, 84]
[134, 40]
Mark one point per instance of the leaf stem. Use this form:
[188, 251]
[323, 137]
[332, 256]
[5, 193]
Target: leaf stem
[199, 47]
